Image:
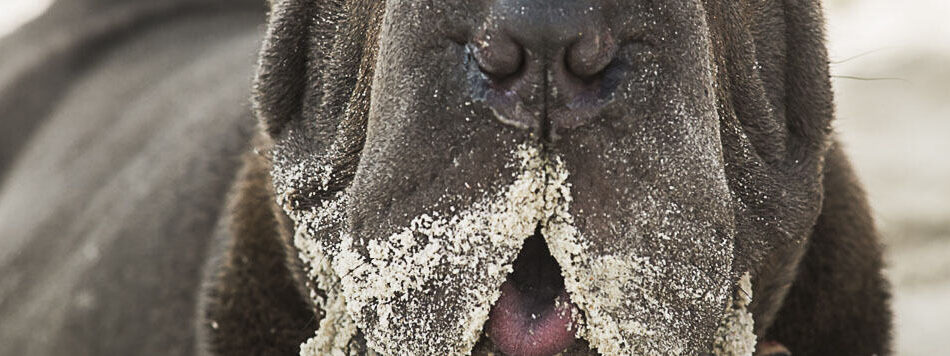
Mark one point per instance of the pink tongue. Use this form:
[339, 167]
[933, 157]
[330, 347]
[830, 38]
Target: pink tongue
[516, 332]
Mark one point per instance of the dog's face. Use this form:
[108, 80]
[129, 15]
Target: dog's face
[531, 176]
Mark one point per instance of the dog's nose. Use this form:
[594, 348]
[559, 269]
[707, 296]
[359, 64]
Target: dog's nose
[571, 40]
[545, 63]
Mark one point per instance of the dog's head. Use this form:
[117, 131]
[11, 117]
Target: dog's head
[508, 175]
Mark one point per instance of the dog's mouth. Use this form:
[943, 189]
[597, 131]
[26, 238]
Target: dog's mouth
[534, 315]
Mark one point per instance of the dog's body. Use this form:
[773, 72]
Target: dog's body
[122, 127]
[123, 137]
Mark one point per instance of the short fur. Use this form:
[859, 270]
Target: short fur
[253, 301]
[121, 128]
[838, 304]
[112, 262]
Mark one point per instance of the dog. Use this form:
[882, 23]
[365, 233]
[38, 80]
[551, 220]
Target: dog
[446, 177]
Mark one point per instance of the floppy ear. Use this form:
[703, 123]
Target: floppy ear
[312, 90]
[775, 105]
[819, 289]
[297, 43]
[312, 97]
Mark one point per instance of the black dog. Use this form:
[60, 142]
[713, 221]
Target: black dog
[448, 177]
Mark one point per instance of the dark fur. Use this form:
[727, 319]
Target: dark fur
[838, 304]
[818, 285]
[785, 107]
[121, 128]
[253, 303]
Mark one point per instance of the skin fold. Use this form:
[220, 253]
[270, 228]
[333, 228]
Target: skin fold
[402, 157]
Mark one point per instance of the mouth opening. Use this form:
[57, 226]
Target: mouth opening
[534, 315]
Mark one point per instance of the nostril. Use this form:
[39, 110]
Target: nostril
[546, 66]
[591, 54]
[498, 55]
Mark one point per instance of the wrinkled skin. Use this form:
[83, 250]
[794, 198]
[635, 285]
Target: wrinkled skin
[431, 145]
[704, 158]
[696, 149]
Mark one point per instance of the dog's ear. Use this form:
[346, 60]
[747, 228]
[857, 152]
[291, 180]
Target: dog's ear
[297, 45]
[312, 90]
[775, 105]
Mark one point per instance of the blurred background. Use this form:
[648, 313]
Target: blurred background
[891, 67]
[14, 13]
[891, 61]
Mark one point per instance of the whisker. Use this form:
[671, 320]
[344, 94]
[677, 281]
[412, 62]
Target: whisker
[862, 54]
[871, 79]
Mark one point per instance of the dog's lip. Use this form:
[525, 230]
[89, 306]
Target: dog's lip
[519, 329]
[534, 315]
